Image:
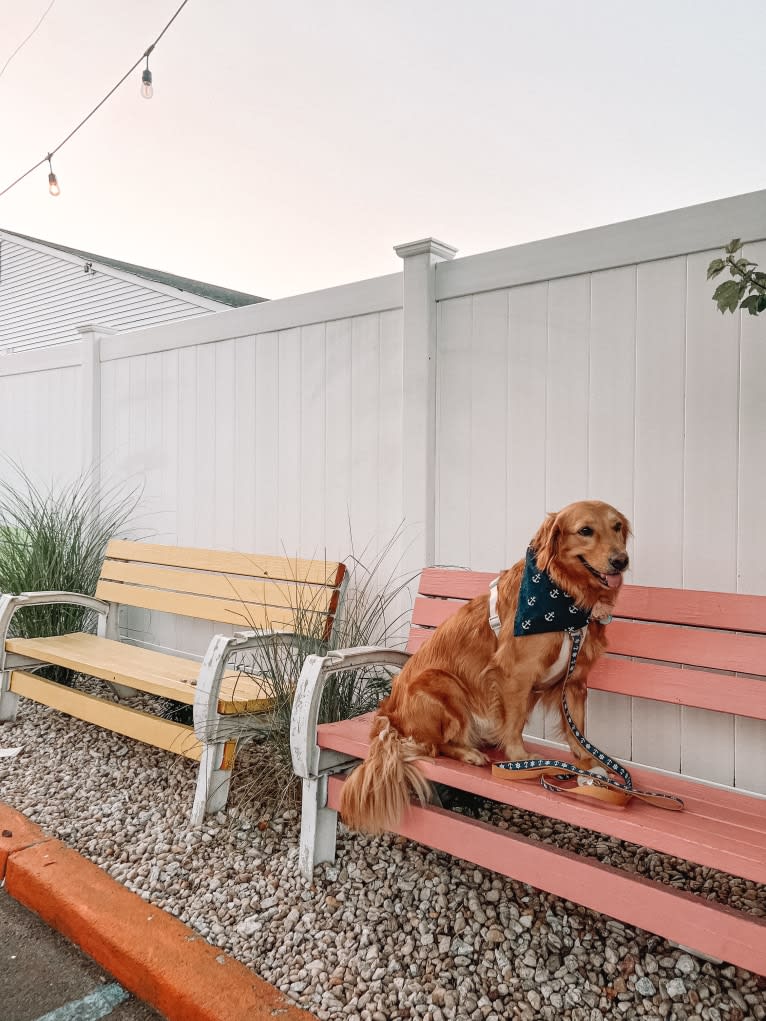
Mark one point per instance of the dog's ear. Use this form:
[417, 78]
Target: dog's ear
[546, 541]
[627, 531]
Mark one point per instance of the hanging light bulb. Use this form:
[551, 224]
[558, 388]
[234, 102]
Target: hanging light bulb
[53, 185]
[146, 81]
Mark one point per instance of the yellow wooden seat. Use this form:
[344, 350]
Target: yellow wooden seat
[268, 598]
[144, 669]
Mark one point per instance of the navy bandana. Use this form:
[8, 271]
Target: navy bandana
[543, 607]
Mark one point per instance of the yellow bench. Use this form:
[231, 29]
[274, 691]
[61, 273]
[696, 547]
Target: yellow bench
[265, 596]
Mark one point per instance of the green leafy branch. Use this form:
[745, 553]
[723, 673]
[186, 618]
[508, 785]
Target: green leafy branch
[747, 289]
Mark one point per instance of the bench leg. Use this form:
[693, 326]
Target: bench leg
[319, 826]
[9, 701]
[213, 780]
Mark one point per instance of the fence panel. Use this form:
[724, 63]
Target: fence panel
[40, 414]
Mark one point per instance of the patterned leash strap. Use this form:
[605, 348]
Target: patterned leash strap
[562, 777]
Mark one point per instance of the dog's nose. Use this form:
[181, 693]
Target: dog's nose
[620, 562]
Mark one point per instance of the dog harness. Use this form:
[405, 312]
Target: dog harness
[543, 608]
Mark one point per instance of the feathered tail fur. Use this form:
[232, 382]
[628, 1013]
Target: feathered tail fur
[377, 792]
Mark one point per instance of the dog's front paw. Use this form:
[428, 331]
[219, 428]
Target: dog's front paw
[602, 611]
[475, 758]
[515, 752]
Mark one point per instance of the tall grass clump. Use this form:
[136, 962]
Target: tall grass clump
[375, 611]
[54, 540]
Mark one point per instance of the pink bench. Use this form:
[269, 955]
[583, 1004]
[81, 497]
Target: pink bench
[720, 827]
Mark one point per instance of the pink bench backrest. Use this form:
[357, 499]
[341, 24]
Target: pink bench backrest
[717, 636]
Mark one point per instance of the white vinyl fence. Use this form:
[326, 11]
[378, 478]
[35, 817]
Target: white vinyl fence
[40, 412]
[462, 397]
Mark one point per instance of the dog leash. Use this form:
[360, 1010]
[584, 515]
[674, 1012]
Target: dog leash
[562, 777]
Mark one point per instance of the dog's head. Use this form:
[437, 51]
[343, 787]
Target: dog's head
[583, 548]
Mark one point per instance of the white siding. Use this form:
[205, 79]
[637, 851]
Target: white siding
[44, 298]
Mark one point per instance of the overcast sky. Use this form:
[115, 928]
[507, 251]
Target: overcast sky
[289, 145]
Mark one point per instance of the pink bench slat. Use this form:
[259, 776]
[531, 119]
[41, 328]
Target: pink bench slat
[714, 650]
[673, 914]
[725, 693]
[725, 610]
[418, 635]
[700, 609]
[453, 583]
[433, 612]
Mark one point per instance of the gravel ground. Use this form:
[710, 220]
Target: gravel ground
[393, 930]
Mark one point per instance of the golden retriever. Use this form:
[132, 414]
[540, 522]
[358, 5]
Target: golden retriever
[465, 688]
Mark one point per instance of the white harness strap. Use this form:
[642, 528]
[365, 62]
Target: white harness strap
[494, 620]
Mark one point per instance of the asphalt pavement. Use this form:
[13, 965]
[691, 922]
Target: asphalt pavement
[44, 977]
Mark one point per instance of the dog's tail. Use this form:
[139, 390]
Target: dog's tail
[378, 791]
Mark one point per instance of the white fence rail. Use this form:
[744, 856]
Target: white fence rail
[465, 398]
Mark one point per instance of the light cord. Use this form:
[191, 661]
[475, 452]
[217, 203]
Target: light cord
[97, 107]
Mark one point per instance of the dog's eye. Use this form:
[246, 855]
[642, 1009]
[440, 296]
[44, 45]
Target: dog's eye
[618, 527]
[585, 530]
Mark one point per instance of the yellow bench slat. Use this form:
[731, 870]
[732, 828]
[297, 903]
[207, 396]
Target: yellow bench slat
[225, 611]
[153, 730]
[154, 672]
[253, 565]
[317, 598]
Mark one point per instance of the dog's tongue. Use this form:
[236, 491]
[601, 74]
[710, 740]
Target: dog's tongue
[613, 580]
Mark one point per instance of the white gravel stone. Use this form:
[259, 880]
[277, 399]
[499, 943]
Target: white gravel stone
[676, 988]
[392, 930]
[645, 987]
[686, 965]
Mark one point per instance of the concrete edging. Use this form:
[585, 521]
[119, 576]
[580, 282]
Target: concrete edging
[159, 959]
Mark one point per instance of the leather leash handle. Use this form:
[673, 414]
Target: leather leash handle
[582, 783]
[573, 781]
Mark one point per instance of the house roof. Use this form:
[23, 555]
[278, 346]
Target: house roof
[224, 295]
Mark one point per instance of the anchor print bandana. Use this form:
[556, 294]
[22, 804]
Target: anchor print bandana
[542, 606]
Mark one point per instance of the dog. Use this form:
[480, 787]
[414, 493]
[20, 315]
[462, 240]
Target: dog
[468, 688]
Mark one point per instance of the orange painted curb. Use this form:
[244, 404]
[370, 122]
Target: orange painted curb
[16, 833]
[156, 957]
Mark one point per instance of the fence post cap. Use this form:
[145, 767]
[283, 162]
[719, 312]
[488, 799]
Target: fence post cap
[426, 246]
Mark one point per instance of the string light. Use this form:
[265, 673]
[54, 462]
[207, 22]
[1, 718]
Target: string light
[146, 78]
[53, 185]
[23, 43]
